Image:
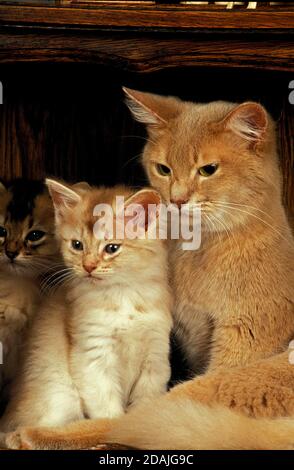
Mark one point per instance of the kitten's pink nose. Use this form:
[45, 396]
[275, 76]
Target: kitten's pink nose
[179, 202]
[89, 267]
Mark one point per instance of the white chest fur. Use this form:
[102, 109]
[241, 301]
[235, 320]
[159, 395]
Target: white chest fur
[119, 348]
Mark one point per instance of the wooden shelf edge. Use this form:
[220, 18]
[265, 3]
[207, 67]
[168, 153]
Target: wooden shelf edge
[153, 17]
[145, 53]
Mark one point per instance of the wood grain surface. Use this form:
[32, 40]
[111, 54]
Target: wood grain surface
[143, 53]
[150, 16]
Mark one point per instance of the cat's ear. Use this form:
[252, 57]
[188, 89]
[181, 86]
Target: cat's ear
[82, 186]
[249, 121]
[151, 109]
[63, 197]
[142, 209]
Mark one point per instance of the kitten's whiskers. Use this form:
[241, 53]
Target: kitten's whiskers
[55, 279]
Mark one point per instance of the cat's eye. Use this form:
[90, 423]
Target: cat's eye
[3, 232]
[77, 245]
[111, 248]
[208, 170]
[35, 235]
[163, 170]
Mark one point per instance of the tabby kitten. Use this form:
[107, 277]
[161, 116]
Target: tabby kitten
[27, 249]
[101, 343]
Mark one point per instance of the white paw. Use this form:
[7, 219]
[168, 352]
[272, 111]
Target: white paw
[18, 440]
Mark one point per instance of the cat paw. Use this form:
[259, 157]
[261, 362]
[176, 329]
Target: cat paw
[21, 439]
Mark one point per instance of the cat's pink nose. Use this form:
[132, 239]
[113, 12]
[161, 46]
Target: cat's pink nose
[179, 202]
[89, 267]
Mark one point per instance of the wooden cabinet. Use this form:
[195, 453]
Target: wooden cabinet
[62, 65]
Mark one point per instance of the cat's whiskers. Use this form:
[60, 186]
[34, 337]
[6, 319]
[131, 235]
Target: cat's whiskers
[135, 157]
[55, 279]
[227, 229]
[80, 272]
[243, 205]
[242, 227]
[211, 224]
[38, 265]
[55, 274]
[53, 269]
[106, 273]
[62, 280]
[237, 209]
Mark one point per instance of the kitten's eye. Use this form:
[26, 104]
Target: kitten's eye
[3, 232]
[163, 170]
[35, 235]
[208, 170]
[111, 248]
[77, 245]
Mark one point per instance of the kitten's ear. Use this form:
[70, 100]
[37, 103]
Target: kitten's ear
[144, 217]
[249, 121]
[62, 196]
[151, 109]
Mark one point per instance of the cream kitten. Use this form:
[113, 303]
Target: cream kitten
[27, 249]
[101, 343]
